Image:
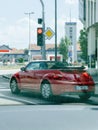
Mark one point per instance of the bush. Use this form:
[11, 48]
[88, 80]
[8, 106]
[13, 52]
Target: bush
[20, 60]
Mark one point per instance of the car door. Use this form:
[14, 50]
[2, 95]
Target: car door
[27, 76]
[36, 75]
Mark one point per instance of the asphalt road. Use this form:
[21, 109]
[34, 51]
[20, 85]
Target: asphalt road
[30, 98]
[49, 117]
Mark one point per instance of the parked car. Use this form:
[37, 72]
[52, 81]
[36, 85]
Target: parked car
[53, 78]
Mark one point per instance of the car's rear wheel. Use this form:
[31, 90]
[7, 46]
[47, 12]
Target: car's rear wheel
[46, 91]
[14, 86]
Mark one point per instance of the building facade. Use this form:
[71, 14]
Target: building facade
[70, 33]
[89, 11]
[13, 55]
[8, 55]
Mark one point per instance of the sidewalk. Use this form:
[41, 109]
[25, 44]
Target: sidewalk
[10, 71]
[6, 101]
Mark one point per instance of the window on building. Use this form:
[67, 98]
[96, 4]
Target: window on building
[71, 29]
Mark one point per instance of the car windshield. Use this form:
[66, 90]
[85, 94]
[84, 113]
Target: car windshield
[48, 52]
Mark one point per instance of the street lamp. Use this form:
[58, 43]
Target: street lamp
[29, 14]
[43, 26]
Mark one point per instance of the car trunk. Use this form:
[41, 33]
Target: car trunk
[77, 75]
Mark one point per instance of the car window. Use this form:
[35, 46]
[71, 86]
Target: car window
[33, 66]
[43, 65]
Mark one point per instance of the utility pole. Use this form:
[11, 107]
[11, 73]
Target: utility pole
[43, 26]
[29, 48]
[55, 30]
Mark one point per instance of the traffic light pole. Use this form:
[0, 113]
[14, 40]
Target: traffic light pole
[43, 48]
[55, 30]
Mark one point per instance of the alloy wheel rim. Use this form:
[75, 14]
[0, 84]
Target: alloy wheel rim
[13, 85]
[46, 90]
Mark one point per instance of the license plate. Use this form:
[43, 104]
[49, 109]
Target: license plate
[81, 87]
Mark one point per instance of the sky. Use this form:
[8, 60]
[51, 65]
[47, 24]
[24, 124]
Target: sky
[14, 23]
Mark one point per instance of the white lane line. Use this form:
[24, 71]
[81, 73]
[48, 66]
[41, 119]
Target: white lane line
[17, 99]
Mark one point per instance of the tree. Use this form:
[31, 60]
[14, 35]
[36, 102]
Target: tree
[63, 47]
[83, 44]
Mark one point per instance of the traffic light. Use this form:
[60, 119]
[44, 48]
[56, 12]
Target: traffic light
[40, 20]
[40, 36]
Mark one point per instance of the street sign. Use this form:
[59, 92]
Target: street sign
[49, 33]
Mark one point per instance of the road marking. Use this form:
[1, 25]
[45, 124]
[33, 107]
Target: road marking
[24, 101]
[4, 101]
[49, 108]
[4, 89]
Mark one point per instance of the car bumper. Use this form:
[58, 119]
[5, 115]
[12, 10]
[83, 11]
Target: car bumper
[78, 93]
[59, 89]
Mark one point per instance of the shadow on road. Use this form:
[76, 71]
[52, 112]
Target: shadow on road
[56, 100]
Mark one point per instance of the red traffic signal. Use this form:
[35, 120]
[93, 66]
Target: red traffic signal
[39, 30]
[40, 36]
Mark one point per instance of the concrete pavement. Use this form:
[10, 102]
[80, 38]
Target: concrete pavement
[6, 101]
[10, 71]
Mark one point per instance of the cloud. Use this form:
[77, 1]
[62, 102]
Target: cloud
[17, 34]
[2, 20]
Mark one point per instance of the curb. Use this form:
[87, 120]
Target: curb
[6, 77]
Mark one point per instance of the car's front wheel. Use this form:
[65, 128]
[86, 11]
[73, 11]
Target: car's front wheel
[46, 91]
[14, 86]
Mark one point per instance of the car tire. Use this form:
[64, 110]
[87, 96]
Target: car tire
[84, 96]
[14, 87]
[46, 91]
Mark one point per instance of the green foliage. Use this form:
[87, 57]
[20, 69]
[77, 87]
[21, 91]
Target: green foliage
[20, 60]
[63, 47]
[83, 44]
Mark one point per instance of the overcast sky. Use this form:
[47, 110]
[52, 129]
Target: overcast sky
[14, 25]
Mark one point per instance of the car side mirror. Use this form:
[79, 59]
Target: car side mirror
[23, 69]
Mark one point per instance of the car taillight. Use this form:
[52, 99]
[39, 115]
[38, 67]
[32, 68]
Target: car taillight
[86, 75]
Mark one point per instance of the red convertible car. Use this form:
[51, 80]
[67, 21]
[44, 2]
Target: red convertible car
[53, 78]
